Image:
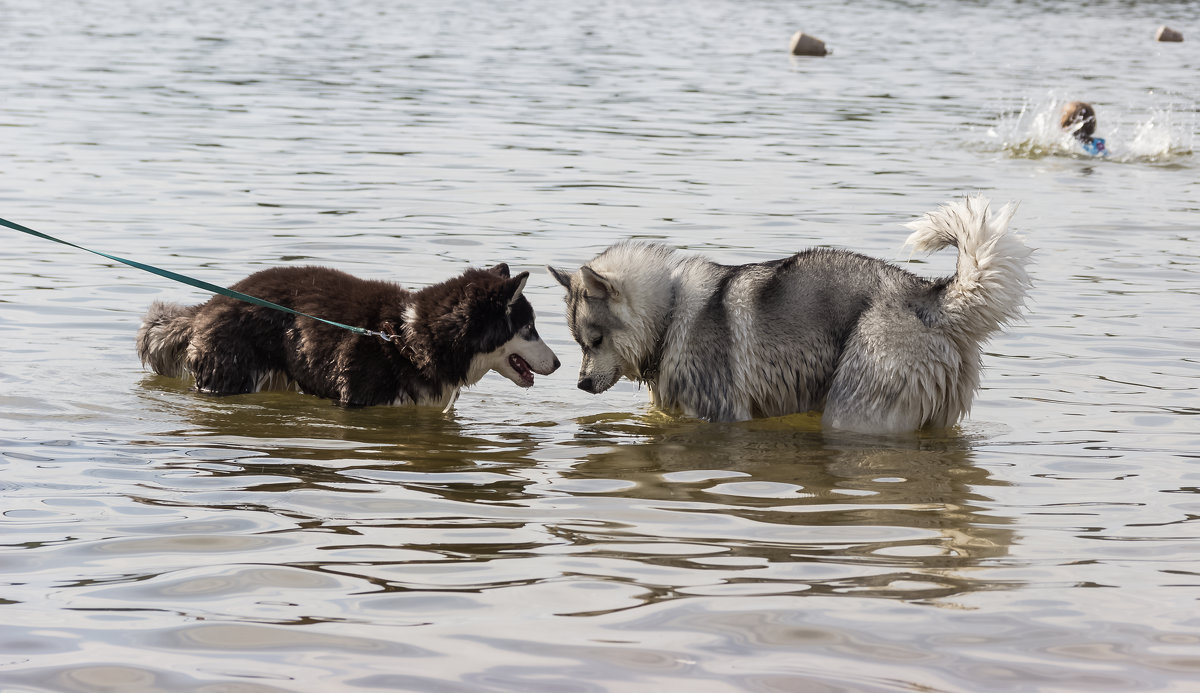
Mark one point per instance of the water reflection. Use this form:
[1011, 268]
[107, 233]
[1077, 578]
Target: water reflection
[294, 427]
[626, 512]
[903, 518]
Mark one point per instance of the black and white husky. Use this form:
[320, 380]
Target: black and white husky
[443, 338]
[875, 347]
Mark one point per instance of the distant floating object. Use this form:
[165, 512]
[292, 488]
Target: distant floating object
[805, 44]
[1165, 33]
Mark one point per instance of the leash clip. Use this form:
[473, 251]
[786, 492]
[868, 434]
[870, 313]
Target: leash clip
[393, 338]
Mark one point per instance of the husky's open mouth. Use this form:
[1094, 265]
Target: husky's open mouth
[524, 372]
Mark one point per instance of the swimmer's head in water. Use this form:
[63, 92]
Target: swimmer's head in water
[1079, 118]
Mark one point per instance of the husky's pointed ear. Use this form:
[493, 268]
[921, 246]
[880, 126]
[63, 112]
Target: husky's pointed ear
[500, 269]
[598, 286]
[560, 276]
[516, 285]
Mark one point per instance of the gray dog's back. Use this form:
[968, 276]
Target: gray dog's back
[765, 339]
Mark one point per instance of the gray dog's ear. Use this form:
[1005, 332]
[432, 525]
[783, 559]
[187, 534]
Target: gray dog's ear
[560, 276]
[597, 285]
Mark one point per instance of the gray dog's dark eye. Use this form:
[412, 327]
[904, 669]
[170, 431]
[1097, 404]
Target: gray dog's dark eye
[596, 341]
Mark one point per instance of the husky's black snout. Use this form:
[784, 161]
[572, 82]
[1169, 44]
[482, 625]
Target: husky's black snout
[556, 365]
[586, 384]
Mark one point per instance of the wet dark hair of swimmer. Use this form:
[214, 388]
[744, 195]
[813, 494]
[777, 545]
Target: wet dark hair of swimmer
[1079, 117]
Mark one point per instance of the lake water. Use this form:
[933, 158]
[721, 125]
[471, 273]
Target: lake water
[155, 539]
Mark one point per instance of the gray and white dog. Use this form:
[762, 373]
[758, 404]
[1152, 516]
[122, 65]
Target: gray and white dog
[875, 347]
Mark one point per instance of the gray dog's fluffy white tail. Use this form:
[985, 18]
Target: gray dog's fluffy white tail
[163, 339]
[897, 374]
[991, 283]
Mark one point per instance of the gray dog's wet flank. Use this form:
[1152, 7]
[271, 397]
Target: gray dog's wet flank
[877, 348]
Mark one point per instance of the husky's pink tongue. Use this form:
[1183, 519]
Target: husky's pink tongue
[522, 368]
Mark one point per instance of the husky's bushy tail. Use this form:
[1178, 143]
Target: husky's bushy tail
[990, 285]
[163, 339]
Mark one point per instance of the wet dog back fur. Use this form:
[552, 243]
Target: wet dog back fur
[447, 336]
[875, 347]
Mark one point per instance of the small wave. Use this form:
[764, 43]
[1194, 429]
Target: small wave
[1154, 134]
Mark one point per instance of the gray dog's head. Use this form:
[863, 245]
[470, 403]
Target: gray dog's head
[593, 317]
[618, 307]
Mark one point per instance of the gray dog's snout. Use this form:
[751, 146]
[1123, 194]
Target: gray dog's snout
[585, 384]
[556, 365]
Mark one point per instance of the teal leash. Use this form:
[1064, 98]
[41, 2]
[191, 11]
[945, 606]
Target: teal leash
[198, 283]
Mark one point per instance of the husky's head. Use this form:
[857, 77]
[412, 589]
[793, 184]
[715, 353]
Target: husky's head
[615, 309]
[480, 322]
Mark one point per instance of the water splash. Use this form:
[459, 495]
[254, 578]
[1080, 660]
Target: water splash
[1154, 134]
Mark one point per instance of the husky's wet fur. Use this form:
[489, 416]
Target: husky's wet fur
[444, 337]
[875, 347]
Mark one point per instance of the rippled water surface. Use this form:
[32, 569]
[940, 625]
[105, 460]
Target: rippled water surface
[155, 539]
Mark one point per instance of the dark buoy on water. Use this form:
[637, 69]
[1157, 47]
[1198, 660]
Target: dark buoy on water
[1166, 33]
[804, 44]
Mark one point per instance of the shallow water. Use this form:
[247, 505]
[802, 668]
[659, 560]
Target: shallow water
[157, 539]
